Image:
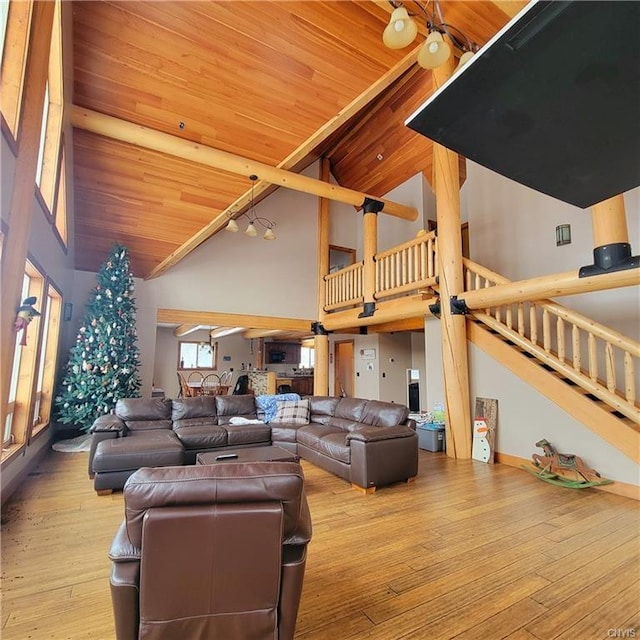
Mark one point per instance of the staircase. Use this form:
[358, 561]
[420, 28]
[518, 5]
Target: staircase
[583, 367]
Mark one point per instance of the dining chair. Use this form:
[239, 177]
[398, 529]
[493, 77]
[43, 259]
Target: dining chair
[210, 384]
[225, 378]
[185, 391]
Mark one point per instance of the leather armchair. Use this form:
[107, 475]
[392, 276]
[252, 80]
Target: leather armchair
[211, 552]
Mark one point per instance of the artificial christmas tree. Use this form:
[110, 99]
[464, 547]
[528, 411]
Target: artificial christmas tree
[103, 363]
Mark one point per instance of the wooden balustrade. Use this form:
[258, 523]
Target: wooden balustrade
[403, 269]
[344, 288]
[407, 267]
[600, 360]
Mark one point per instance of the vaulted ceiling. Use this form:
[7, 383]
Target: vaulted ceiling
[280, 83]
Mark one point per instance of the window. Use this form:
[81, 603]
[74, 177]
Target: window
[60, 213]
[14, 58]
[197, 355]
[48, 353]
[23, 374]
[49, 154]
[307, 357]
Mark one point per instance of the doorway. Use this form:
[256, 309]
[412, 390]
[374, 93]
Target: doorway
[344, 382]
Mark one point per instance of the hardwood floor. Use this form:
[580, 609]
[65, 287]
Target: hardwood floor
[466, 551]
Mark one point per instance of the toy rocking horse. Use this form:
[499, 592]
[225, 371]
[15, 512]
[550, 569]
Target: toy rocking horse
[566, 470]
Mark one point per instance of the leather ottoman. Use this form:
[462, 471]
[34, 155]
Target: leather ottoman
[115, 460]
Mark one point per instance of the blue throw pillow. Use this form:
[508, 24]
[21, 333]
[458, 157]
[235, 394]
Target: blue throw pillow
[268, 404]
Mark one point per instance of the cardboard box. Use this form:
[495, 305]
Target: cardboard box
[431, 436]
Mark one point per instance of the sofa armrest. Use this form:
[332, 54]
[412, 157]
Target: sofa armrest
[125, 579]
[108, 422]
[375, 434]
[122, 550]
[96, 439]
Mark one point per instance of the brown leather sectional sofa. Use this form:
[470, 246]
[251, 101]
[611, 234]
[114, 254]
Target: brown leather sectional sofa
[367, 442]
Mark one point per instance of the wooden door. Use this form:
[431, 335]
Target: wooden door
[344, 379]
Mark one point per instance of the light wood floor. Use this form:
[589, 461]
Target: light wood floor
[466, 551]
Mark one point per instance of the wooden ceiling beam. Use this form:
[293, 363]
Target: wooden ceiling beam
[220, 319]
[185, 329]
[148, 138]
[297, 156]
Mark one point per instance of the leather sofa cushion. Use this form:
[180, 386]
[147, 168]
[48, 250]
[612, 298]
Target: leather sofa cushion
[327, 440]
[247, 433]
[202, 437]
[190, 408]
[281, 432]
[350, 409]
[156, 448]
[228, 407]
[143, 408]
[384, 414]
[322, 408]
[335, 446]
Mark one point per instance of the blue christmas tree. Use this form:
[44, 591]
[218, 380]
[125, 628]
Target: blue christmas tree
[103, 363]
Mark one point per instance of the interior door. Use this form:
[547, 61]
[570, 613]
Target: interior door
[343, 368]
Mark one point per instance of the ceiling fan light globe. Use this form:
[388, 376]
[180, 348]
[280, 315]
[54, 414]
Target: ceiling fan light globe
[251, 230]
[401, 30]
[464, 58]
[232, 226]
[434, 52]
[269, 235]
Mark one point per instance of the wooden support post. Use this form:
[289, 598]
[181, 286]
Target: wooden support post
[612, 251]
[321, 365]
[14, 250]
[321, 340]
[609, 222]
[454, 340]
[370, 248]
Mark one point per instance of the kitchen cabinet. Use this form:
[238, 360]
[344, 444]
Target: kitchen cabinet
[290, 351]
[302, 385]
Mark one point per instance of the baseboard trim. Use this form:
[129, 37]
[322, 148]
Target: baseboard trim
[618, 488]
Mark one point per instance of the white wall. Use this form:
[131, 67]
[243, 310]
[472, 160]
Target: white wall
[526, 416]
[394, 351]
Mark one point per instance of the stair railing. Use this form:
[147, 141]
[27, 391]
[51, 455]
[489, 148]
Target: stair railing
[600, 360]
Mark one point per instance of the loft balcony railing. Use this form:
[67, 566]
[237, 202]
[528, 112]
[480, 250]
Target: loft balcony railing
[407, 268]
[344, 288]
[600, 360]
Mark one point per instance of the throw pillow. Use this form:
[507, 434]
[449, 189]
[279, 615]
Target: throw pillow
[292, 412]
[269, 404]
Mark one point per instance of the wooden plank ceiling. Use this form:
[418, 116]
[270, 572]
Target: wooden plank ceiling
[269, 81]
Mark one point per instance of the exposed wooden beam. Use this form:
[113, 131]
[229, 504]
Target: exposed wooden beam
[551, 286]
[292, 160]
[386, 311]
[232, 320]
[408, 324]
[185, 329]
[148, 138]
[252, 334]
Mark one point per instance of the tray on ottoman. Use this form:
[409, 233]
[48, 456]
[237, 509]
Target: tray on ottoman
[248, 454]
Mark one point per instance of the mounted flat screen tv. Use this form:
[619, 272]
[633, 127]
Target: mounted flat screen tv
[552, 101]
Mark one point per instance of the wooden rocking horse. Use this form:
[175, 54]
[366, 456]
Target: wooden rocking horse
[567, 470]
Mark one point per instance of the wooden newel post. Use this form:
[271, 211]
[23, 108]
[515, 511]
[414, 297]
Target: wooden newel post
[370, 245]
[454, 338]
[612, 251]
